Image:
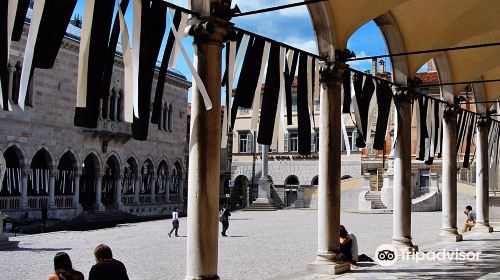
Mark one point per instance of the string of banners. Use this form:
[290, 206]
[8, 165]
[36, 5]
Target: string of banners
[251, 62]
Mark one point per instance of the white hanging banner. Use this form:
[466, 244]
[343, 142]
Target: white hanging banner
[354, 107]
[310, 90]
[128, 70]
[83, 56]
[196, 77]
[372, 114]
[279, 117]
[175, 51]
[229, 90]
[136, 50]
[258, 89]
[11, 18]
[29, 51]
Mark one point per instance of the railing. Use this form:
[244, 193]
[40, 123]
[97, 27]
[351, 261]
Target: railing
[64, 201]
[128, 199]
[144, 199]
[35, 202]
[10, 202]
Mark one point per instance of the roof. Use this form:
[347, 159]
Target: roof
[74, 32]
[428, 77]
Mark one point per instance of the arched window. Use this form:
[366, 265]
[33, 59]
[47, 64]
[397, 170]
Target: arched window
[170, 118]
[120, 106]
[164, 117]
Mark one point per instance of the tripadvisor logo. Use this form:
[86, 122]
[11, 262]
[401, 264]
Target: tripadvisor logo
[387, 255]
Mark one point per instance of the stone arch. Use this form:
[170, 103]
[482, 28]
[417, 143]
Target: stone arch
[42, 159]
[292, 180]
[239, 192]
[147, 175]
[162, 176]
[112, 174]
[91, 168]
[130, 173]
[41, 166]
[315, 181]
[66, 170]
[11, 171]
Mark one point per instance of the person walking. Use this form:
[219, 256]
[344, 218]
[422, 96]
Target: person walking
[224, 219]
[175, 223]
[63, 269]
[107, 268]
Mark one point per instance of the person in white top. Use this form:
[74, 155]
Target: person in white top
[175, 223]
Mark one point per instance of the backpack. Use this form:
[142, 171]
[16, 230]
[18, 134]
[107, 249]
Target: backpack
[221, 216]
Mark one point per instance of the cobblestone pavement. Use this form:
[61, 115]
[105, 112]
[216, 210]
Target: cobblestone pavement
[261, 245]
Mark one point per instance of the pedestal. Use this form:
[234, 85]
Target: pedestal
[264, 192]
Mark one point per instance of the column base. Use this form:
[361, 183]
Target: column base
[119, 205]
[482, 229]
[404, 244]
[51, 205]
[450, 235]
[328, 263]
[202, 278]
[99, 207]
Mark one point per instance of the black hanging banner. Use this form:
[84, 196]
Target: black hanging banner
[55, 19]
[270, 97]
[99, 38]
[162, 74]
[4, 57]
[22, 10]
[384, 99]
[153, 24]
[289, 77]
[346, 86]
[363, 101]
[304, 121]
[472, 125]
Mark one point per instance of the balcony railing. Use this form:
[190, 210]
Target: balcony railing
[10, 203]
[37, 202]
[64, 201]
[128, 199]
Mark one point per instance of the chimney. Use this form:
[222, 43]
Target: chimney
[382, 66]
[374, 66]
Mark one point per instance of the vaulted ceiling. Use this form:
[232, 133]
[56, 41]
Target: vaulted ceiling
[428, 24]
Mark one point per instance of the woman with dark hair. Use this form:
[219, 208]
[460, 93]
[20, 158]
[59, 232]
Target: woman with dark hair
[63, 269]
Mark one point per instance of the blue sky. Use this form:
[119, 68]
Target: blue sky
[292, 26]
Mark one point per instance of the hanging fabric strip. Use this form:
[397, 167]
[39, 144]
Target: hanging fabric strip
[93, 45]
[249, 75]
[344, 134]
[356, 90]
[192, 68]
[55, 19]
[384, 99]
[372, 116]
[20, 16]
[181, 32]
[136, 50]
[423, 135]
[290, 69]
[4, 53]
[431, 128]
[29, 50]
[162, 74]
[237, 43]
[346, 91]
[303, 118]
[128, 71]
[116, 31]
[280, 114]
[468, 143]
[10, 18]
[364, 98]
[258, 89]
[310, 87]
[463, 131]
[270, 97]
[153, 24]
[461, 120]
[317, 86]
[230, 57]
[439, 144]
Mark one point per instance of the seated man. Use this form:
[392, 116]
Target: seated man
[470, 222]
[346, 248]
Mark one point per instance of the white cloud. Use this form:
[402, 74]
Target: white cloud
[300, 11]
[306, 44]
[361, 65]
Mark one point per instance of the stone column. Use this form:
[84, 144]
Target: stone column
[449, 174]
[76, 190]
[402, 173]
[24, 194]
[52, 187]
[11, 70]
[152, 184]
[167, 191]
[264, 191]
[118, 192]
[328, 255]
[204, 159]
[98, 190]
[137, 188]
[482, 177]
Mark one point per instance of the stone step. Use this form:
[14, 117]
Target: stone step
[8, 245]
[261, 207]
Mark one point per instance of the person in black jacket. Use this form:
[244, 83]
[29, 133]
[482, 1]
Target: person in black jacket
[224, 219]
[106, 267]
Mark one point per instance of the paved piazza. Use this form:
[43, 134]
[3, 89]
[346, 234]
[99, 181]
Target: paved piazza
[261, 245]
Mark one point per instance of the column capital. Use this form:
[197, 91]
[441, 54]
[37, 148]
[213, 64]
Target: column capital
[450, 112]
[331, 72]
[483, 122]
[211, 30]
[404, 95]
